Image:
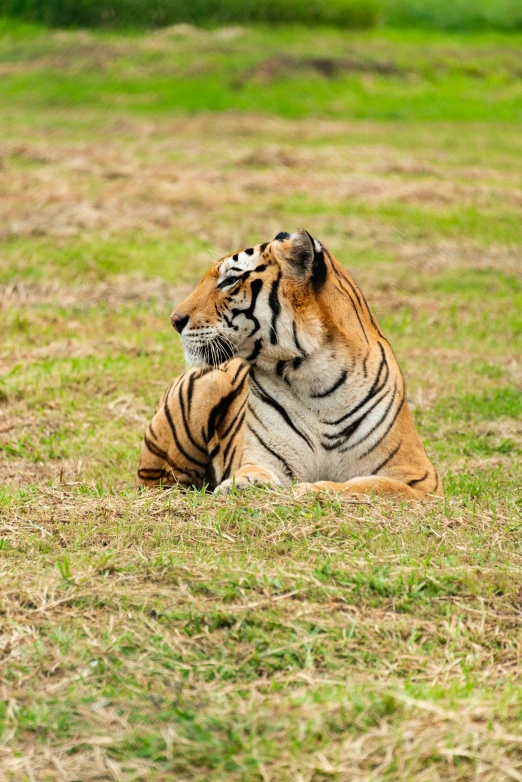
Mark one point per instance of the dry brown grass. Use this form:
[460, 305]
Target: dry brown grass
[143, 184]
[114, 292]
[105, 602]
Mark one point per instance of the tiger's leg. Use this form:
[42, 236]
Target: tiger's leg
[161, 463]
[223, 425]
[366, 485]
[196, 434]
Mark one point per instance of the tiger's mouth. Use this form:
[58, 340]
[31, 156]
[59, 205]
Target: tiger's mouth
[210, 353]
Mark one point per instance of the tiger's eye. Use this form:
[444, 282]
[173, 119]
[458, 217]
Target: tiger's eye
[228, 281]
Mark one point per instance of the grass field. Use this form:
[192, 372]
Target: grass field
[165, 636]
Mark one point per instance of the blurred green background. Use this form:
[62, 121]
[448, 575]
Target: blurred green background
[463, 15]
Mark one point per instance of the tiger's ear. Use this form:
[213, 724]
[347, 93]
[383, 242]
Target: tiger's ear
[301, 257]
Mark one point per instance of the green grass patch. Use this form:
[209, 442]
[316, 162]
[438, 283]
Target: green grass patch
[485, 226]
[503, 402]
[93, 259]
[290, 71]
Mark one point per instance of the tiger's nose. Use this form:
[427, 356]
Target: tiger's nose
[179, 322]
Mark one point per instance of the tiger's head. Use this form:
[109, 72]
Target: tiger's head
[260, 304]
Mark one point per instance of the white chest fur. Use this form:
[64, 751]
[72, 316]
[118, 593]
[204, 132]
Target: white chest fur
[292, 421]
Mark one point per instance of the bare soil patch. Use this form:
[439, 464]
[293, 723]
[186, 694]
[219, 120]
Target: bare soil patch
[329, 67]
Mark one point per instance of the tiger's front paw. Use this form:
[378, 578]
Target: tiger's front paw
[247, 478]
[232, 485]
[301, 489]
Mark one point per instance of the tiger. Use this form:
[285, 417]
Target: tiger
[291, 383]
